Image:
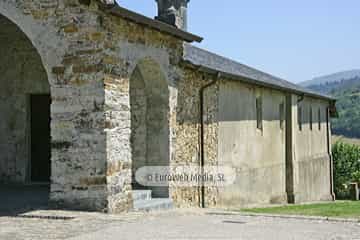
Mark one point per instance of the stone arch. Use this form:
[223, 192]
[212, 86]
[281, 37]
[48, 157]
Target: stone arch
[25, 86]
[43, 36]
[150, 134]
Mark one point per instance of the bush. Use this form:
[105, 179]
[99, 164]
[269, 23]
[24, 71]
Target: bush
[346, 168]
[355, 176]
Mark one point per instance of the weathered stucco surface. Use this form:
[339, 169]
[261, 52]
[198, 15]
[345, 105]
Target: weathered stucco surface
[257, 155]
[311, 153]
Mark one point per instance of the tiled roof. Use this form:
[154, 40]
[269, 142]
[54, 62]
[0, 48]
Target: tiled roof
[215, 63]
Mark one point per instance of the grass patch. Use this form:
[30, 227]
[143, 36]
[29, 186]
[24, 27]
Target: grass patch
[341, 209]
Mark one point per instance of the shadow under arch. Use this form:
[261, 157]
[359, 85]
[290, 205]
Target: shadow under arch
[150, 134]
[25, 144]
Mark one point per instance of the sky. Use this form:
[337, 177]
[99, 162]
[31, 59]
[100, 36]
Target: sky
[294, 40]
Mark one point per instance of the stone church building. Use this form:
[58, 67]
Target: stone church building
[90, 92]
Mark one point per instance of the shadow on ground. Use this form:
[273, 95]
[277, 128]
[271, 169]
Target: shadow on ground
[19, 199]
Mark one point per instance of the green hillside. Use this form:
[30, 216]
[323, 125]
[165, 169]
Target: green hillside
[347, 91]
[335, 77]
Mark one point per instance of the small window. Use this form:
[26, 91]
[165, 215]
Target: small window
[259, 117]
[300, 118]
[319, 119]
[282, 115]
[311, 118]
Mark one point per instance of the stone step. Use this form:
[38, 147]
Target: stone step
[153, 204]
[139, 195]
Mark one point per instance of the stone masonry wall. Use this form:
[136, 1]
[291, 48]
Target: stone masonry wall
[68, 34]
[188, 133]
[211, 139]
[129, 44]
[77, 126]
[84, 49]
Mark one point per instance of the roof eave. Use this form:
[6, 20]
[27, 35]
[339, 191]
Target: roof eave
[116, 10]
[244, 79]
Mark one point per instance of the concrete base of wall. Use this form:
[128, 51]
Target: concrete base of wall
[238, 202]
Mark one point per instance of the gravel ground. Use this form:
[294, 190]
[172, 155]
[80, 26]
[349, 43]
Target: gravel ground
[174, 225]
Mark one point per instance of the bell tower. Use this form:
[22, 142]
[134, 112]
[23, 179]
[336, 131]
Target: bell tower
[173, 12]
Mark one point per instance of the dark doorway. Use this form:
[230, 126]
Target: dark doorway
[40, 138]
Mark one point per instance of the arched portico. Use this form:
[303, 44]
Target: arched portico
[25, 139]
[84, 55]
[149, 104]
[24, 109]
